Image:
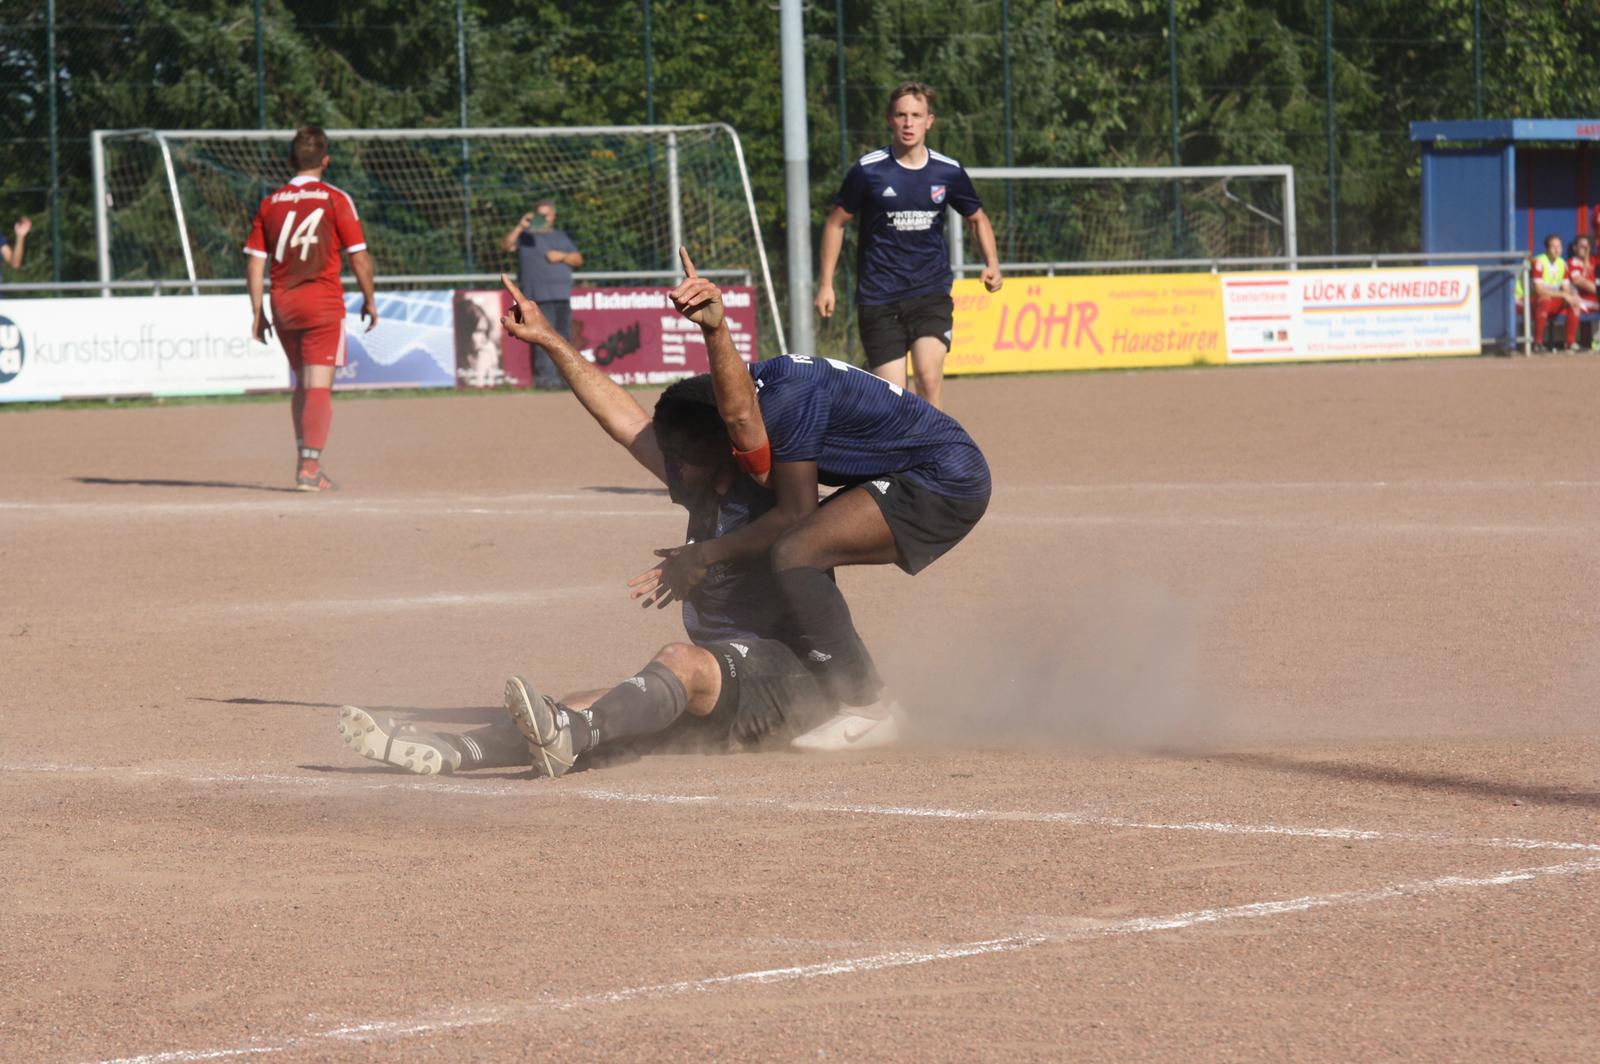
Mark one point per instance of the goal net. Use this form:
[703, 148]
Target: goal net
[1121, 214]
[176, 205]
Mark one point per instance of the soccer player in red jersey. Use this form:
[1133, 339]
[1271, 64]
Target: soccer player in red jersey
[301, 230]
[1553, 292]
[1580, 271]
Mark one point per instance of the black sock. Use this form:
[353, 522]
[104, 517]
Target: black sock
[640, 705]
[498, 745]
[819, 607]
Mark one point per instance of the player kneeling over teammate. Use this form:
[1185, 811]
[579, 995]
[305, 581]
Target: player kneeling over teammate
[737, 679]
[914, 484]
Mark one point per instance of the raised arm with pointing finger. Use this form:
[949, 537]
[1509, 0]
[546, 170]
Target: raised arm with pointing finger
[697, 299]
[607, 402]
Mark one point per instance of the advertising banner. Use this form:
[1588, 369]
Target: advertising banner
[414, 345]
[1316, 315]
[631, 333]
[137, 345]
[1055, 323]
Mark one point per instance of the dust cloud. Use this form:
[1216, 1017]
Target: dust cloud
[1114, 666]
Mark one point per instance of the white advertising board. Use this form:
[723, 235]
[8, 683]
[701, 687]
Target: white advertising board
[1312, 315]
[136, 345]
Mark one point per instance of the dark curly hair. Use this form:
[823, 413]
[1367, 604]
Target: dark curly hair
[688, 426]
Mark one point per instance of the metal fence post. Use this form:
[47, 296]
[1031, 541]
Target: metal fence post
[844, 111]
[1172, 91]
[102, 219]
[674, 202]
[1333, 177]
[1477, 58]
[55, 147]
[466, 151]
[261, 73]
[1005, 76]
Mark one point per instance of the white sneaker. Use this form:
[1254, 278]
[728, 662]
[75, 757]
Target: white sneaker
[401, 745]
[854, 728]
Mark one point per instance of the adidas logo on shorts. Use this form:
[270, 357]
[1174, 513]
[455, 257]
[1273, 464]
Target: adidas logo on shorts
[882, 486]
[744, 651]
[637, 681]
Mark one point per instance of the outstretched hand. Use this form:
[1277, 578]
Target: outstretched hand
[695, 297]
[525, 320]
[679, 572]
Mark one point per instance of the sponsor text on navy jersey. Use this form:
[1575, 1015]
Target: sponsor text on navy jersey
[900, 249]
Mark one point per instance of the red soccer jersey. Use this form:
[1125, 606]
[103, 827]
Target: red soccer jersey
[1583, 269]
[301, 228]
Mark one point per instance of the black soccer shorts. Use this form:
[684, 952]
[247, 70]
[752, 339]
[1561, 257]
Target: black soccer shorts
[768, 692]
[888, 330]
[924, 523]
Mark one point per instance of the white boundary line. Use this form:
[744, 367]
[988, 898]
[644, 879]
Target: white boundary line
[543, 790]
[479, 1016]
[323, 508]
[1577, 526]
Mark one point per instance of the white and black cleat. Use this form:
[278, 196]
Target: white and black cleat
[544, 723]
[403, 746]
[854, 728]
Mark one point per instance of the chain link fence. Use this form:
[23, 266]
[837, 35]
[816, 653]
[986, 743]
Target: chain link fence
[1328, 88]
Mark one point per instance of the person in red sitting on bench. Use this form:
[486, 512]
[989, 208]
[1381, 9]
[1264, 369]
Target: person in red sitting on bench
[1553, 293]
[1580, 271]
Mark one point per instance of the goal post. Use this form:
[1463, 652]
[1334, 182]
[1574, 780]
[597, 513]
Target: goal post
[176, 205]
[1064, 215]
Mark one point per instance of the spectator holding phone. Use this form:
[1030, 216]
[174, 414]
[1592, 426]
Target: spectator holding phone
[546, 257]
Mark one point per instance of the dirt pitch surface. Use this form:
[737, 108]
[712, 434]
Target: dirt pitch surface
[1258, 722]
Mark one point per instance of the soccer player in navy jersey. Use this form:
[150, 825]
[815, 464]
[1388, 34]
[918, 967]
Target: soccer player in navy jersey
[737, 680]
[913, 484]
[903, 273]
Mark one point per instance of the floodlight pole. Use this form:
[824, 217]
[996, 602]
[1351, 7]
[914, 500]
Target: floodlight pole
[797, 184]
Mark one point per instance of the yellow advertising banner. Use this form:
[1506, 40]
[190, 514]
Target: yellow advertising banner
[1054, 323]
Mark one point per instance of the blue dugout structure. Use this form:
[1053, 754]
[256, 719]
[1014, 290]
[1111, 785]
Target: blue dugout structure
[1504, 185]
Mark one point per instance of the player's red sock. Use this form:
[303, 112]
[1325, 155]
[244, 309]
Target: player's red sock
[297, 408]
[317, 418]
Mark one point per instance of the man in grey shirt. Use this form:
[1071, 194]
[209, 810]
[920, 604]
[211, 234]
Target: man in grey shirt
[546, 257]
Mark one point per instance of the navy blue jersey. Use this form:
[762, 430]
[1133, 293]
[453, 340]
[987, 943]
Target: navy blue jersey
[901, 252]
[857, 426]
[736, 600]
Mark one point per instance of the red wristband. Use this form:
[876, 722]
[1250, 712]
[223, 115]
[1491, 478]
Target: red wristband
[756, 462]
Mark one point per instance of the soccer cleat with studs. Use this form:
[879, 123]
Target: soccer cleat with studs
[313, 478]
[403, 746]
[544, 723]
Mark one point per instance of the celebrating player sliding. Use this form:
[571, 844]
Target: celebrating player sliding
[738, 680]
[301, 229]
[914, 485]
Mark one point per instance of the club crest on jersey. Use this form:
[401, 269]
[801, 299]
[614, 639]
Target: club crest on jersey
[938, 193]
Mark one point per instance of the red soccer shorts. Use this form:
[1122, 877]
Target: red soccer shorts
[320, 345]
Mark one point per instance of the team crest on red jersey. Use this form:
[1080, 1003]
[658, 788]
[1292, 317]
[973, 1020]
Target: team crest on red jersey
[938, 193]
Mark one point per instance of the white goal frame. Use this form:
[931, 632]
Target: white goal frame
[957, 235]
[102, 223]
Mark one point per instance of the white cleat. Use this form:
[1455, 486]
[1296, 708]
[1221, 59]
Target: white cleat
[854, 728]
[403, 746]
[543, 722]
